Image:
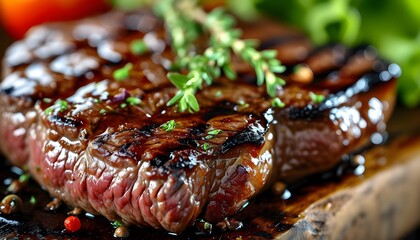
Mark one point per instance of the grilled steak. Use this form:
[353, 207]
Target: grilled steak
[88, 140]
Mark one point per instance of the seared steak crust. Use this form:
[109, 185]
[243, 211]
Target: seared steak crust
[111, 156]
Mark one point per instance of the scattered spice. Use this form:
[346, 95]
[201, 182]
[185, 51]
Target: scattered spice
[121, 232]
[302, 74]
[11, 204]
[54, 204]
[278, 188]
[72, 224]
[75, 211]
[15, 187]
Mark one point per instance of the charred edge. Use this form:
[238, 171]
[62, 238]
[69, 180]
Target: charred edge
[308, 112]
[364, 84]
[64, 121]
[125, 150]
[183, 163]
[188, 142]
[159, 161]
[182, 160]
[146, 130]
[224, 108]
[101, 140]
[199, 129]
[253, 134]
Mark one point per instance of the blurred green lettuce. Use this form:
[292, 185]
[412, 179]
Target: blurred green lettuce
[393, 27]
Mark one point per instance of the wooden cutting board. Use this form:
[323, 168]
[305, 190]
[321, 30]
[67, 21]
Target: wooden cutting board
[377, 198]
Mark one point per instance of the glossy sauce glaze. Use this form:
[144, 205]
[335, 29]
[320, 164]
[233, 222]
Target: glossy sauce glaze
[94, 125]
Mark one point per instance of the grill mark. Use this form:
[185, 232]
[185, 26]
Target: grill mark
[199, 129]
[183, 160]
[225, 108]
[58, 120]
[364, 84]
[252, 134]
[188, 141]
[101, 140]
[159, 161]
[146, 130]
[125, 150]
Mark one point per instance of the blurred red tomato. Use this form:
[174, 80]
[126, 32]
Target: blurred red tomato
[20, 15]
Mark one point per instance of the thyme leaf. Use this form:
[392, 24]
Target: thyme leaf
[184, 19]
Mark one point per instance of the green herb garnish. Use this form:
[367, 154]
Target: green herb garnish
[316, 98]
[133, 101]
[61, 105]
[208, 226]
[123, 73]
[102, 112]
[206, 146]
[213, 133]
[181, 20]
[123, 105]
[169, 125]
[32, 200]
[138, 47]
[24, 178]
[117, 224]
[277, 103]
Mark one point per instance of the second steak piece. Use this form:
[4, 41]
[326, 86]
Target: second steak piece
[113, 147]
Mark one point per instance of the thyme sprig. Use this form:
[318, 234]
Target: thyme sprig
[181, 19]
